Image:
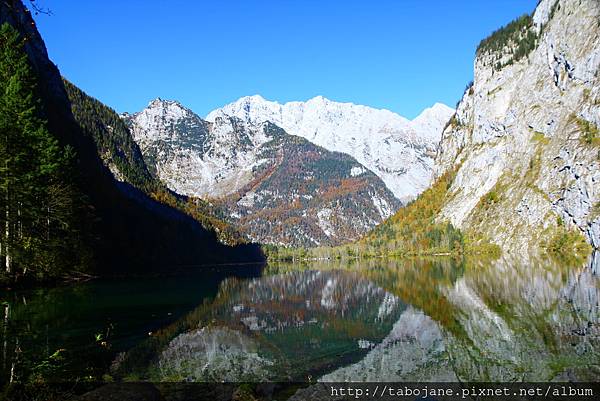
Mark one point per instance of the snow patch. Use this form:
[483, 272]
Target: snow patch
[323, 217]
[356, 171]
[382, 206]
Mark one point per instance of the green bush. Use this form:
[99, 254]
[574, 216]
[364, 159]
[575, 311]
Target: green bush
[492, 197]
[567, 244]
[589, 131]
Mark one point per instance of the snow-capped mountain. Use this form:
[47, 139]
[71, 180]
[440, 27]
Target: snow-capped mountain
[277, 188]
[398, 150]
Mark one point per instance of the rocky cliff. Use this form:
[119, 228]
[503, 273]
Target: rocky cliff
[524, 141]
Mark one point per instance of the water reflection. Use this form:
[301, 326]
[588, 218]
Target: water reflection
[536, 322]
[280, 327]
[415, 320]
[73, 332]
[388, 320]
[498, 321]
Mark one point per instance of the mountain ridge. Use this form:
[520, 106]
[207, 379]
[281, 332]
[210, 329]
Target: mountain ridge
[280, 188]
[398, 150]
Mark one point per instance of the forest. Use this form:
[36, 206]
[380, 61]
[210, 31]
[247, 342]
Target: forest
[412, 231]
[41, 209]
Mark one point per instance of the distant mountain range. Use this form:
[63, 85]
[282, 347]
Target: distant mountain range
[397, 150]
[303, 185]
[278, 188]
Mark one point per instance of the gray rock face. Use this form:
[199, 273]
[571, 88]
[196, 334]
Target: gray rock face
[524, 132]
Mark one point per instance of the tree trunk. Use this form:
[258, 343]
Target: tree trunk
[5, 329]
[15, 360]
[19, 228]
[7, 236]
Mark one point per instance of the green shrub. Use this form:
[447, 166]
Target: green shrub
[492, 197]
[540, 138]
[589, 131]
[567, 244]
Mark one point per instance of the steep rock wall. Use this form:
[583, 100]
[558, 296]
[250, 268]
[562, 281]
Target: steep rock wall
[524, 137]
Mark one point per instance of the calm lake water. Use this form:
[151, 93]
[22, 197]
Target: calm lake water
[415, 320]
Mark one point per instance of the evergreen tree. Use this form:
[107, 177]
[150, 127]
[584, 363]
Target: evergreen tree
[36, 200]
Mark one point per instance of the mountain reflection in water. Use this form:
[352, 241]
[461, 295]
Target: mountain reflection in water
[387, 320]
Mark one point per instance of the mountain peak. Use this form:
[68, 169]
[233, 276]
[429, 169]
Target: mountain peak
[437, 110]
[155, 102]
[441, 106]
[249, 101]
[432, 119]
[319, 98]
[160, 109]
[159, 102]
[254, 98]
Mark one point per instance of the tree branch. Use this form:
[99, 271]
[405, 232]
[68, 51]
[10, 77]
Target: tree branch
[39, 9]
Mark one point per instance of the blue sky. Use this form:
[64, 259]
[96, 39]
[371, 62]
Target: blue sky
[403, 55]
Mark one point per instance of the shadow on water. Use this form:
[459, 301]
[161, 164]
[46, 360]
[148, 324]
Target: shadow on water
[75, 331]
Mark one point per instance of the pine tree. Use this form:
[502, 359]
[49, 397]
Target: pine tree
[35, 199]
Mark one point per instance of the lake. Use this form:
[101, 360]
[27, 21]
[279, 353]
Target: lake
[376, 320]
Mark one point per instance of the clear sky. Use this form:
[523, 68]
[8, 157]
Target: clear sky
[402, 55]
